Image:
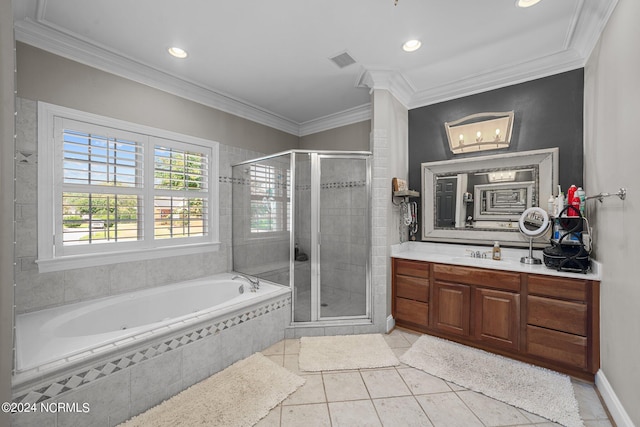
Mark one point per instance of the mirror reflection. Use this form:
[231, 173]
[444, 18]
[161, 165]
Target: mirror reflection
[484, 198]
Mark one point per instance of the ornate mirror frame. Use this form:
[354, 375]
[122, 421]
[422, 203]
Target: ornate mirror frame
[546, 161]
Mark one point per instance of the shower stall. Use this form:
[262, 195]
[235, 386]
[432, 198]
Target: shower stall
[301, 219]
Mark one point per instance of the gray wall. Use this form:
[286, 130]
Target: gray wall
[612, 104]
[7, 108]
[548, 113]
[50, 78]
[353, 137]
[43, 76]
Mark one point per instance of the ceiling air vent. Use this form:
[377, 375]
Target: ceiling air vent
[343, 60]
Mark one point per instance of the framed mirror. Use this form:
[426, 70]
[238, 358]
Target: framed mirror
[480, 199]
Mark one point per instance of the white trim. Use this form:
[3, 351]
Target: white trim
[45, 37]
[332, 121]
[50, 260]
[391, 323]
[93, 260]
[617, 411]
[582, 35]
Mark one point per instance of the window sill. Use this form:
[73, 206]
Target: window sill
[94, 260]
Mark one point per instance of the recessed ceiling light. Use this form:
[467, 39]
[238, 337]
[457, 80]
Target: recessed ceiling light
[177, 52]
[526, 3]
[411, 45]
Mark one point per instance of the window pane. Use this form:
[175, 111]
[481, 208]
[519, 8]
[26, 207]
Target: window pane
[269, 198]
[99, 160]
[100, 218]
[179, 170]
[179, 217]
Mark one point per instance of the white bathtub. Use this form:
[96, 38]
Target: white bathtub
[52, 337]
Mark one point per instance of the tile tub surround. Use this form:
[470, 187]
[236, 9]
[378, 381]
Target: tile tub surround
[124, 385]
[446, 253]
[401, 396]
[35, 291]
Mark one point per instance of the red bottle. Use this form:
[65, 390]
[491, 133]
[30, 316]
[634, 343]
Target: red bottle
[575, 204]
[570, 193]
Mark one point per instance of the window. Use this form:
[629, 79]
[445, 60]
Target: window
[270, 199]
[117, 189]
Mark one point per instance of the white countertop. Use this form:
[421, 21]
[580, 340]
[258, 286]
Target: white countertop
[446, 253]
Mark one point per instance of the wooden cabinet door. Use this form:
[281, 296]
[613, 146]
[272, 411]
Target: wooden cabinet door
[451, 305]
[497, 317]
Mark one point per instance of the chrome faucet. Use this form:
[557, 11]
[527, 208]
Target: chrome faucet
[255, 283]
[477, 254]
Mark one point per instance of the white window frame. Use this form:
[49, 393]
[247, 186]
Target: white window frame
[54, 257]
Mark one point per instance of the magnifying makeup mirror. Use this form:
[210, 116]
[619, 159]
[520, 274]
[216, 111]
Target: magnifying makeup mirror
[533, 223]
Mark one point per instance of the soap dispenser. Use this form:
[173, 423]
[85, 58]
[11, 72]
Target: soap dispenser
[497, 254]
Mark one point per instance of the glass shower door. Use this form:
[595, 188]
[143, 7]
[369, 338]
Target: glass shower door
[343, 238]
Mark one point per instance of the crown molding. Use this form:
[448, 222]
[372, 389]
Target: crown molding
[342, 118]
[582, 35]
[589, 25]
[56, 42]
[391, 80]
[526, 71]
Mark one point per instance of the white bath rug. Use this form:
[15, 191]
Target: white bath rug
[534, 389]
[345, 352]
[240, 395]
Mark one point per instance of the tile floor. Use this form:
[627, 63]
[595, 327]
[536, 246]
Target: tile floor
[400, 396]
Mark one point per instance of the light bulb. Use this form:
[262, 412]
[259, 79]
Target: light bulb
[177, 52]
[411, 45]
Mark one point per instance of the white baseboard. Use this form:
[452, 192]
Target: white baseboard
[391, 323]
[614, 405]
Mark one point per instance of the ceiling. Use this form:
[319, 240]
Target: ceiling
[269, 61]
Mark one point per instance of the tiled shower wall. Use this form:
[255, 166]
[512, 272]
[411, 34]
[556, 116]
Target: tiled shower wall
[36, 291]
[343, 224]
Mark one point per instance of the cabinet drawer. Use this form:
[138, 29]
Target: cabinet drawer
[412, 311]
[412, 288]
[556, 314]
[558, 346]
[570, 289]
[478, 276]
[407, 267]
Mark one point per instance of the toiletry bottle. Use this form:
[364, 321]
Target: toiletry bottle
[575, 203]
[496, 253]
[551, 206]
[583, 198]
[571, 193]
[559, 202]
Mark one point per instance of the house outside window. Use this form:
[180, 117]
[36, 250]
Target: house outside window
[108, 189]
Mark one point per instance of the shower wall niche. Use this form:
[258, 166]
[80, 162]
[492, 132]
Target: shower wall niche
[301, 219]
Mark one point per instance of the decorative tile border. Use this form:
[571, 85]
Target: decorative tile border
[328, 185]
[86, 375]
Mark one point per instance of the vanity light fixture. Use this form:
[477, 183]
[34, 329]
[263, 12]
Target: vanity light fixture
[411, 45]
[502, 176]
[481, 131]
[526, 3]
[177, 52]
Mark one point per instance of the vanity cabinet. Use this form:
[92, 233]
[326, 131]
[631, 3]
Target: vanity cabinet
[451, 306]
[480, 304]
[563, 321]
[497, 318]
[410, 304]
[546, 320]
